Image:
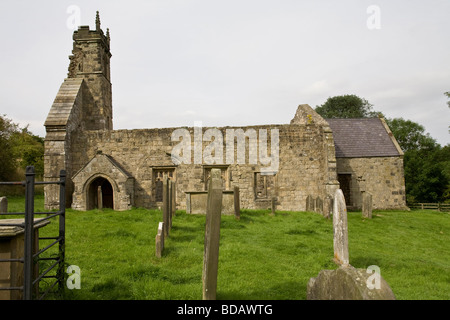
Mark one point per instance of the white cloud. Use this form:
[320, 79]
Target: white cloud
[234, 62]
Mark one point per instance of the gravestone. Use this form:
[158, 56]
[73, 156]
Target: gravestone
[237, 204]
[319, 205]
[174, 197]
[274, 205]
[310, 203]
[165, 207]
[367, 205]
[340, 229]
[159, 240]
[348, 283]
[169, 202]
[328, 206]
[212, 236]
[3, 205]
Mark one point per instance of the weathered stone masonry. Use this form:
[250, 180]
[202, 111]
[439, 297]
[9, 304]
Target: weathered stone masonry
[125, 168]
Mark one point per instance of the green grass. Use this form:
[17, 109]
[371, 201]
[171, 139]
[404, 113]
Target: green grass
[261, 256]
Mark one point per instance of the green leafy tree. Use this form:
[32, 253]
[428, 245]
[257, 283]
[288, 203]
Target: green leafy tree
[28, 150]
[7, 161]
[411, 135]
[18, 148]
[426, 163]
[346, 106]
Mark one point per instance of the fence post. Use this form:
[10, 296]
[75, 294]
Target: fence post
[28, 245]
[62, 229]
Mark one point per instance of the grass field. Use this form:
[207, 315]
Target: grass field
[261, 256]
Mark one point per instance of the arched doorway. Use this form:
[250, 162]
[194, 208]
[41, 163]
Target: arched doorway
[100, 194]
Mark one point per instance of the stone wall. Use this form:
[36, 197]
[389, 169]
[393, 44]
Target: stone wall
[383, 177]
[303, 164]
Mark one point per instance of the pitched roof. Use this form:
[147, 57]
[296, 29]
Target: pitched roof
[363, 137]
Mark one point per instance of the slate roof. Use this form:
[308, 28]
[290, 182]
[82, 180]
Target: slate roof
[362, 137]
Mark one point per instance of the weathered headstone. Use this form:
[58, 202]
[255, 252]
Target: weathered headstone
[159, 240]
[3, 205]
[319, 205]
[328, 206]
[165, 207]
[367, 205]
[169, 202]
[309, 203]
[174, 197]
[212, 236]
[340, 229]
[348, 283]
[274, 205]
[237, 204]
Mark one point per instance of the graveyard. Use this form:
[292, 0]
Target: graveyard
[263, 256]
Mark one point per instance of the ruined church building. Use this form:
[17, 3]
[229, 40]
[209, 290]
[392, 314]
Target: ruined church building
[125, 168]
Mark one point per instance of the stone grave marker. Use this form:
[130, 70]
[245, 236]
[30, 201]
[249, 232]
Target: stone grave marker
[319, 205]
[159, 240]
[237, 203]
[165, 207]
[310, 203]
[3, 205]
[212, 236]
[367, 205]
[340, 229]
[328, 206]
[174, 203]
[274, 205]
[169, 202]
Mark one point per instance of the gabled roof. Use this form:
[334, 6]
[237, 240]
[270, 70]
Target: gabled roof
[107, 163]
[63, 104]
[363, 137]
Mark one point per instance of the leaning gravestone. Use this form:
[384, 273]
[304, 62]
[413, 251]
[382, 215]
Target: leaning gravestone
[3, 205]
[159, 240]
[340, 229]
[346, 282]
[367, 205]
[212, 235]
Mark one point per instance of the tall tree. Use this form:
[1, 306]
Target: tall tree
[411, 135]
[7, 161]
[426, 163]
[18, 148]
[346, 106]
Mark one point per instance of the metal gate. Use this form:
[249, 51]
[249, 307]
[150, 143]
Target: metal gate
[31, 255]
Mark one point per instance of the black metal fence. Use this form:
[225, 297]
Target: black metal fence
[31, 255]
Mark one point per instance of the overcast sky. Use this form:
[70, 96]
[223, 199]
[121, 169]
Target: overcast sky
[237, 63]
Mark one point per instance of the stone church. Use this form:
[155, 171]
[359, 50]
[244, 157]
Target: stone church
[125, 168]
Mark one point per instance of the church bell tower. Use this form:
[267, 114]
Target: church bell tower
[90, 60]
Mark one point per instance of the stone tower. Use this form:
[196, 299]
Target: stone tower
[90, 60]
[83, 103]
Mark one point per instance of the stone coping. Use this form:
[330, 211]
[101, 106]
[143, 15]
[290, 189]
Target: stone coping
[11, 229]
